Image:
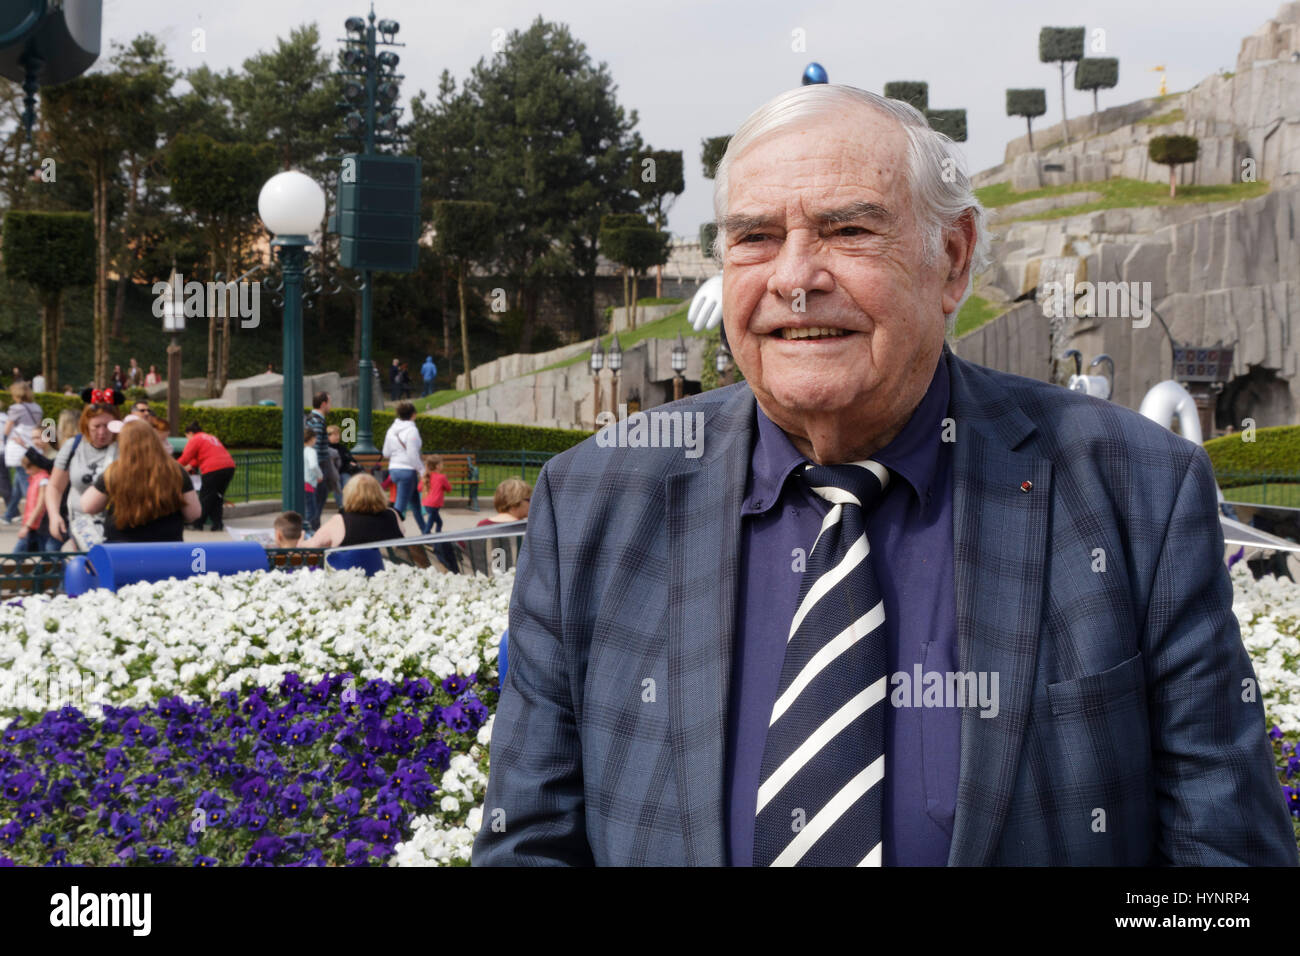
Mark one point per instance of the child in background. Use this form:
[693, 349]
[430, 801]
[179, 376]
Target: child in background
[288, 530]
[435, 486]
[35, 533]
[312, 476]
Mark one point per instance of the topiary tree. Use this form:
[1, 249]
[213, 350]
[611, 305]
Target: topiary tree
[708, 235]
[659, 182]
[1061, 45]
[52, 251]
[952, 123]
[1096, 73]
[711, 152]
[912, 92]
[1027, 103]
[464, 231]
[1173, 151]
[630, 241]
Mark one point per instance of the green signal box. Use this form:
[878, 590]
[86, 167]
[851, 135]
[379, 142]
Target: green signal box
[378, 218]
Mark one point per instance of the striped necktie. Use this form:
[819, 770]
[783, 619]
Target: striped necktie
[822, 777]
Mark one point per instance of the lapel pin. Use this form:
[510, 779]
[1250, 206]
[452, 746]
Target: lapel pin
[1025, 486]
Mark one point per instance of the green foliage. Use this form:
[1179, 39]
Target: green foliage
[1058, 44]
[220, 182]
[50, 250]
[1163, 119]
[1029, 102]
[463, 230]
[668, 182]
[1173, 150]
[1096, 73]
[974, 312]
[709, 378]
[630, 241]
[952, 123]
[1274, 451]
[52, 403]
[712, 150]
[708, 233]
[1115, 194]
[912, 92]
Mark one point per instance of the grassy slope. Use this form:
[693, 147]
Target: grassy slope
[1116, 194]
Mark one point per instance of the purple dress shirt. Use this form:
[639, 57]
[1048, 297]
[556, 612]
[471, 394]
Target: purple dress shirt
[910, 533]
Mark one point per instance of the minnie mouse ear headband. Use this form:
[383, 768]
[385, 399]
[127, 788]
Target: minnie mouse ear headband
[102, 396]
[116, 425]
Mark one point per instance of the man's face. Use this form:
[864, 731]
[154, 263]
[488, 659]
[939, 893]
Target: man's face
[821, 220]
[142, 410]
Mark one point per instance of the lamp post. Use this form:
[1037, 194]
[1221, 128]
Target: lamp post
[174, 322]
[722, 363]
[597, 363]
[615, 362]
[291, 206]
[679, 366]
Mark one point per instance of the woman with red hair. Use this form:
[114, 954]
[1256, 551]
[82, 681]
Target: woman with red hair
[145, 495]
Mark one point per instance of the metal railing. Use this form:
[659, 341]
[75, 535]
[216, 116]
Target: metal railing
[257, 475]
[1261, 487]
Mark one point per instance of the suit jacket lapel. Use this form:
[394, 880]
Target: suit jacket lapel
[999, 544]
[703, 519]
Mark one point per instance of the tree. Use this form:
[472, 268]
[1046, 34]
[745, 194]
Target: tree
[915, 93]
[711, 152]
[551, 148]
[1173, 151]
[219, 184]
[84, 122]
[1027, 103]
[952, 123]
[1061, 45]
[708, 235]
[463, 231]
[635, 245]
[658, 176]
[52, 251]
[1096, 73]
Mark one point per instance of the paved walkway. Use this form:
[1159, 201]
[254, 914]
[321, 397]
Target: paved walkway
[453, 519]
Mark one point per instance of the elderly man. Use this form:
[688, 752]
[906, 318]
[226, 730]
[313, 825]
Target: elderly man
[904, 610]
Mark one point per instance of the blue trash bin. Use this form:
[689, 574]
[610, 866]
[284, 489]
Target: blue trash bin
[112, 566]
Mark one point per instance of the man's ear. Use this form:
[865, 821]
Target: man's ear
[958, 254]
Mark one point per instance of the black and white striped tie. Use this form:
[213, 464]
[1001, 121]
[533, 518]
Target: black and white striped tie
[822, 777]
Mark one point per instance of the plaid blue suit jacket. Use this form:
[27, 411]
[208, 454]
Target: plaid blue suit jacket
[1122, 736]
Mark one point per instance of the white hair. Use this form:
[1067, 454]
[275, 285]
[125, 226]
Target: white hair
[936, 168]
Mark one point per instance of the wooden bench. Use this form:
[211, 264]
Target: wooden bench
[460, 468]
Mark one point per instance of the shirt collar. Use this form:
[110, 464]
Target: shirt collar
[912, 455]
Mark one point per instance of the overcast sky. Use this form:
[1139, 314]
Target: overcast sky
[697, 69]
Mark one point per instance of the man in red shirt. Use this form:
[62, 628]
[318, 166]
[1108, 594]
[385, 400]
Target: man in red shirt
[206, 454]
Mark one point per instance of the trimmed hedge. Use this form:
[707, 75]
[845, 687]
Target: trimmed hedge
[1027, 102]
[912, 92]
[258, 426]
[1274, 450]
[952, 123]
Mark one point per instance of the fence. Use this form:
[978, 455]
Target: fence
[1277, 488]
[257, 473]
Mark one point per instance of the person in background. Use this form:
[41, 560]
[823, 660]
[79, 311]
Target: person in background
[69, 390]
[18, 376]
[320, 407]
[35, 532]
[428, 372]
[134, 375]
[270, 370]
[511, 499]
[23, 413]
[38, 382]
[404, 380]
[346, 464]
[435, 486]
[311, 476]
[144, 495]
[288, 530]
[39, 451]
[402, 449]
[119, 379]
[205, 454]
[152, 378]
[365, 517]
[394, 388]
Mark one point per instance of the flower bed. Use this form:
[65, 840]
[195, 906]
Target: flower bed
[256, 719]
[314, 718]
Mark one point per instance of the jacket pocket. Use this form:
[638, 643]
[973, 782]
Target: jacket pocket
[1095, 694]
